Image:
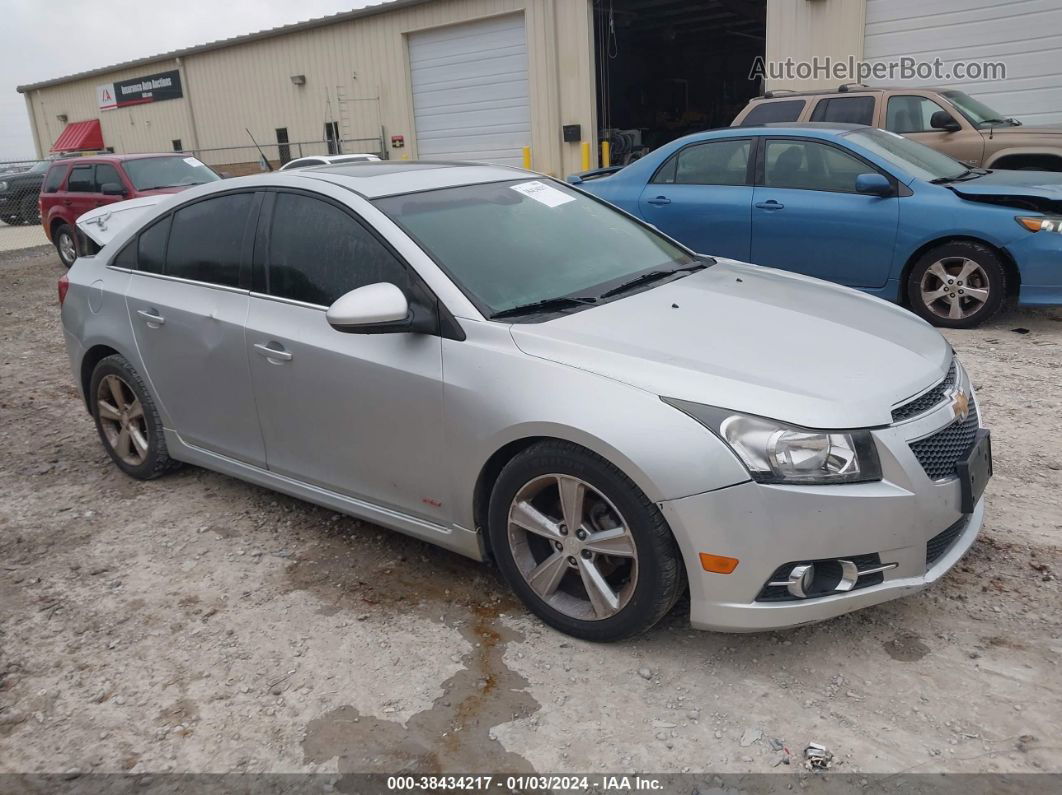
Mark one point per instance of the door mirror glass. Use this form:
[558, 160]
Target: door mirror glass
[873, 184]
[942, 120]
[374, 308]
[112, 189]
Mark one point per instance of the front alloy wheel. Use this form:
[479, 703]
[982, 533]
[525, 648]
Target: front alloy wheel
[581, 544]
[957, 285]
[573, 547]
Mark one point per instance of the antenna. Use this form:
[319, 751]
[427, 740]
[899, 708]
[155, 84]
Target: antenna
[262, 158]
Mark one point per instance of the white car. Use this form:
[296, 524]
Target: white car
[326, 160]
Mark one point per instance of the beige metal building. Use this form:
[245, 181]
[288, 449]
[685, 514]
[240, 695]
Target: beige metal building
[471, 79]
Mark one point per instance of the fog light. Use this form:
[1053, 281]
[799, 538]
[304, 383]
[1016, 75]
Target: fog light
[800, 580]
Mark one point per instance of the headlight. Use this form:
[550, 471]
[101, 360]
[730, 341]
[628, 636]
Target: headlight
[3, 186]
[1040, 223]
[775, 452]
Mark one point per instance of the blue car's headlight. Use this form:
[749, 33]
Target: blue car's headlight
[1040, 223]
[776, 452]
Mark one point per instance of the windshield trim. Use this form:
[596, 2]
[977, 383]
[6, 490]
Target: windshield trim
[485, 310]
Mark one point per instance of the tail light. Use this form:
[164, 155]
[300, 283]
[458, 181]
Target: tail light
[64, 285]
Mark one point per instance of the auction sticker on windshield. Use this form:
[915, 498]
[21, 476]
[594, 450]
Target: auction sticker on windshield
[543, 193]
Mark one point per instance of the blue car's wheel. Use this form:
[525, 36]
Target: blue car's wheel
[957, 285]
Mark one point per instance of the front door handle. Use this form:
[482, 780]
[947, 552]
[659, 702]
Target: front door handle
[770, 204]
[153, 318]
[659, 201]
[273, 351]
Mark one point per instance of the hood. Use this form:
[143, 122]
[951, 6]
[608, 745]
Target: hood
[755, 340]
[1034, 185]
[1023, 130]
[103, 223]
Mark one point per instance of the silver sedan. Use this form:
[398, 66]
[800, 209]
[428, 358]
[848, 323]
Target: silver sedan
[497, 363]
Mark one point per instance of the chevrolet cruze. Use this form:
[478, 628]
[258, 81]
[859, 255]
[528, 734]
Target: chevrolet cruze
[497, 363]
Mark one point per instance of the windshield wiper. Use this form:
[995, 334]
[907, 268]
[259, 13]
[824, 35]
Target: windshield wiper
[957, 177]
[545, 305]
[651, 276]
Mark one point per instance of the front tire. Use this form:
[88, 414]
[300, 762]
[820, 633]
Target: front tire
[581, 545]
[957, 285]
[65, 244]
[127, 420]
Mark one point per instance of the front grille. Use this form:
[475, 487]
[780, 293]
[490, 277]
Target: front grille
[925, 402]
[939, 453]
[826, 571]
[939, 544]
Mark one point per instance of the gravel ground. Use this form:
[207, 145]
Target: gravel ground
[197, 623]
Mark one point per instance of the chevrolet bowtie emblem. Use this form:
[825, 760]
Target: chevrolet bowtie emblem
[961, 406]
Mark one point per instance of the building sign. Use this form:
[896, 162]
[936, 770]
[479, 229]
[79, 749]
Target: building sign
[140, 90]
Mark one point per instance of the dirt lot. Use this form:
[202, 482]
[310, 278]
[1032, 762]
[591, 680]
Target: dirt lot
[196, 623]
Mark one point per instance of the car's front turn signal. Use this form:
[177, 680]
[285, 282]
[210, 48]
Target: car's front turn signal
[1039, 223]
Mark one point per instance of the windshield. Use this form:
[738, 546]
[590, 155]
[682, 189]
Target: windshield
[514, 244]
[916, 159]
[976, 112]
[149, 173]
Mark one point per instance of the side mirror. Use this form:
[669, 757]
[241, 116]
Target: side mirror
[942, 120]
[873, 185]
[112, 189]
[380, 308]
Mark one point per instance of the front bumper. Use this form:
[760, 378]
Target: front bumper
[766, 526]
[1038, 256]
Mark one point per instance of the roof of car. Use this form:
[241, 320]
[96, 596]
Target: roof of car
[785, 93]
[376, 178]
[112, 158]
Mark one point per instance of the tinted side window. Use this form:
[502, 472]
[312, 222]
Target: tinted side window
[317, 252]
[845, 110]
[714, 163]
[768, 112]
[206, 242]
[126, 258]
[151, 247]
[54, 179]
[910, 114]
[810, 165]
[106, 173]
[80, 180]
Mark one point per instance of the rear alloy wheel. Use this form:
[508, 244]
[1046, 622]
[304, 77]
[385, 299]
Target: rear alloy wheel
[581, 545]
[65, 244]
[957, 285]
[128, 423]
[31, 210]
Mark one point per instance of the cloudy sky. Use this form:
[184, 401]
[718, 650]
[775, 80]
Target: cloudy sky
[42, 39]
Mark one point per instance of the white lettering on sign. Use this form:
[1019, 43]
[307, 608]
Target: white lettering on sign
[543, 193]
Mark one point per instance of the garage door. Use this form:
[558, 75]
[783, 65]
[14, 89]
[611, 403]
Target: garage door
[470, 95]
[1026, 35]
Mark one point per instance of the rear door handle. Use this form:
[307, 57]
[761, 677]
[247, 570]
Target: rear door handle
[659, 201]
[770, 204]
[152, 317]
[274, 353]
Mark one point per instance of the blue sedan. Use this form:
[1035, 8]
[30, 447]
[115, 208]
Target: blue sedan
[858, 206]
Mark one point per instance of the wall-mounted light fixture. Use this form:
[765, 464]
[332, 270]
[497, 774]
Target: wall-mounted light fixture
[62, 118]
[298, 80]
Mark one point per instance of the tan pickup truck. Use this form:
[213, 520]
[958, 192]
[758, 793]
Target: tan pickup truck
[945, 119]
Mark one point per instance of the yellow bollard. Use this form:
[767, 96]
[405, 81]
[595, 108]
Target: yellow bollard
[527, 158]
[586, 155]
[606, 154]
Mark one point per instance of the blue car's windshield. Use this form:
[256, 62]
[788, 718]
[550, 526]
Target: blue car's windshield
[910, 156]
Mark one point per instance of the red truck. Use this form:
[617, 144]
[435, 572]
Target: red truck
[76, 185]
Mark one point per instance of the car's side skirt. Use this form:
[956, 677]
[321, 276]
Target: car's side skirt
[457, 539]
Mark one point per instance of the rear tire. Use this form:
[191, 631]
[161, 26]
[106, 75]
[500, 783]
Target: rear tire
[127, 420]
[65, 244]
[960, 284]
[624, 580]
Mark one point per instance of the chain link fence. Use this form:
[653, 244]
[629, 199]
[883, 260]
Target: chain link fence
[20, 218]
[21, 180]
